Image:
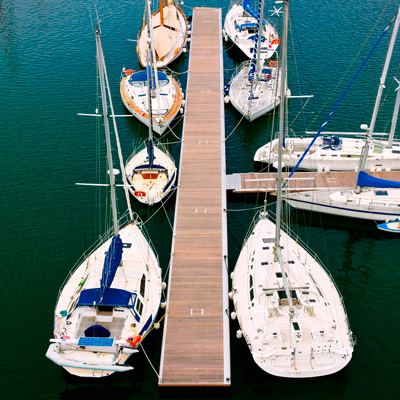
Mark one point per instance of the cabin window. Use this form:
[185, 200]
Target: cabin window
[143, 285]
[251, 294]
[251, 281]
[381, 193]
[396, 151]
[334, 155]
[394, 205]
[139, 306]
[376, 203]
[264, 263]
[265, 248]
[296, 326]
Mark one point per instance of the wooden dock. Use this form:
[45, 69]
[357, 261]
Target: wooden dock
[195, 348]
[254, 182]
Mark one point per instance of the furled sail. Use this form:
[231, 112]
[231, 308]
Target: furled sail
[111, 263]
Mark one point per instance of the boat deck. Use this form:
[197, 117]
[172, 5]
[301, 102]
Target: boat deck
[254, 182]
[195, 349]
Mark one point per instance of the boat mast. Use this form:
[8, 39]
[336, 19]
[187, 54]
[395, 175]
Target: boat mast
[281, 121]
[364, 156]
[277, 248]
[259, 34]
[161, 12]
[255, 63]
[394, 117]
[100, 60]
[152, 54]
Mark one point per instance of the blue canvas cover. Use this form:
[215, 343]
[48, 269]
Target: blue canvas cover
[141, 76]
[111, 263]
[250, 10]
[150, 152]
[366, 180]
[113, 297]
[97, 331]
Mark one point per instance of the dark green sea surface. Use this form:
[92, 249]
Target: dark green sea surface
[48, 75]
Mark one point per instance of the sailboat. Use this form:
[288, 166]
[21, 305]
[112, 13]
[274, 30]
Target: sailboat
[288, 307]
[110, 299]
[240, 26]
[371, 198]
[169, 31]
[254, 88]
[164, 89]
[333, 152]
[150, 170]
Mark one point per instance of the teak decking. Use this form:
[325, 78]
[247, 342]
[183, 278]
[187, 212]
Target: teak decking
[195, 349]
[254, 182]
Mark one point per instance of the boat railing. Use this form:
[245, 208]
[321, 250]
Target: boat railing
[245, 64]
[122, 222]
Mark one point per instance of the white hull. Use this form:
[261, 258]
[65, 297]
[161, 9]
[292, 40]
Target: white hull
[237, 18]
[168, 43]
[139, 274]
[265, 92]
[150, 186]
[327, 159]
[165, 105]
[316, 340]
[366, 205]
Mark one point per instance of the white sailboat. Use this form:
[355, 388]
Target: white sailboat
[169, 31]
[151, 173]
[254, 88]
[150, 170]
[289, 310]
[110, 299]
[240, 27]
[332, 153]
[371, 198]
[164, 88]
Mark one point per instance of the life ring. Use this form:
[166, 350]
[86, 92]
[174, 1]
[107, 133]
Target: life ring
[129, 72]
[273, 64]
[275, 41]
[133, 341]
[139, 193]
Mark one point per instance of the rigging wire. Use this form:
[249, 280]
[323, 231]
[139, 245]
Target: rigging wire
[337, 104]
[351, 64]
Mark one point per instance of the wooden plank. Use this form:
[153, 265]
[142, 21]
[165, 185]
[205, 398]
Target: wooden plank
[266, 182]
[195, 351]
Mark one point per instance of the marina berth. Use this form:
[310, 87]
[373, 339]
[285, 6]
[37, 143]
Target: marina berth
[289, 310]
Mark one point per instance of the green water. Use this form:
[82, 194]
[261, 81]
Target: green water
[47, 76]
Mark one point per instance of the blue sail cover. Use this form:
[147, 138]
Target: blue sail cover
[111, 263]
[113, 297]
[366, 180]
[141, 76]
[150, 152]
[250, 10]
